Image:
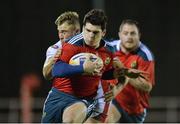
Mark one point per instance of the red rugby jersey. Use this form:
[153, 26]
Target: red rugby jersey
[132, 100]
[82, 85]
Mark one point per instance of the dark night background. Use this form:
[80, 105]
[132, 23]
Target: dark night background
[28, 29]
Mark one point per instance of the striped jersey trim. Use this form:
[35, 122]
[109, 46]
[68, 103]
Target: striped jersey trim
[148, 53]
[142, 47]
[75, 38]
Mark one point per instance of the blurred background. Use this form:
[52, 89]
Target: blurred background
[28, 29]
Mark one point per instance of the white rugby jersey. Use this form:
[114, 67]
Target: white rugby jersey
[51, 51]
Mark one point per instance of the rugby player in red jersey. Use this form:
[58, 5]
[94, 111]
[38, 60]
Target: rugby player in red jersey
[68, 25]
[131, 103]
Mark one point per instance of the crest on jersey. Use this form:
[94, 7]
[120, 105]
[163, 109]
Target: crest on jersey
[107, 60]
[134, 64]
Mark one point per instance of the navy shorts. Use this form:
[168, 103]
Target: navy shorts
[55, 104]
[126, 118]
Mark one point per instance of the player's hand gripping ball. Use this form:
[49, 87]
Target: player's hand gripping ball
[96, 63]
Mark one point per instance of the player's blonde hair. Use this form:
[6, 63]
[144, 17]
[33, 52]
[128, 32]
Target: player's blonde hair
[72, 18]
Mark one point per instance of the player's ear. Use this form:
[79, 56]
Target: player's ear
[104, 33]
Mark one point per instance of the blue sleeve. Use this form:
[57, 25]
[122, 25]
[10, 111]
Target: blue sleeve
[62, 69]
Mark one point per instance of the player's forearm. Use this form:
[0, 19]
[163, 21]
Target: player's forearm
[141, 84]
[62, 69]
[47, 72]
[116, 89]
[47, 69]
[119, 88]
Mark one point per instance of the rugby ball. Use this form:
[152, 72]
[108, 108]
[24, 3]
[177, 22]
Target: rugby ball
[81, 57]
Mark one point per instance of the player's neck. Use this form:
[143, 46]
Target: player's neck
[94, 47]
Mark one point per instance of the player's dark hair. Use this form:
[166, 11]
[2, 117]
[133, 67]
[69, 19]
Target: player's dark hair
[96, 17]
[130, 22]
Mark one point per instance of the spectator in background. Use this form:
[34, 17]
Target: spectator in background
[29, 83]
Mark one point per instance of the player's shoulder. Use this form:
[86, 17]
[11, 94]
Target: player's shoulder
[76, 40]
[53, 48]
[56, 45]
[145, 52]
[114, 44]
[110, 46]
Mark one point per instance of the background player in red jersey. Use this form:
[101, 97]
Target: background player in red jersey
[131, 103]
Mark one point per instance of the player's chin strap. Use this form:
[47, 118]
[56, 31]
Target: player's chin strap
[91, 107]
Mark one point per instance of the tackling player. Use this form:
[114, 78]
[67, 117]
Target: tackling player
[67, 25]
